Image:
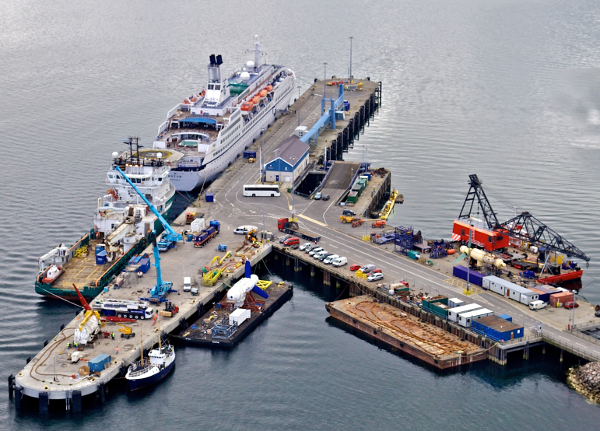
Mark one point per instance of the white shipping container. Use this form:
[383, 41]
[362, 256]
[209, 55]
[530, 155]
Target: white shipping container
[455, 302]
[198, 225]
[454, 312]
[466, 319]
[526, 298]
[495, 284]
[239, 316]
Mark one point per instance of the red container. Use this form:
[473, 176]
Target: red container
[558, 299]
[485, 238]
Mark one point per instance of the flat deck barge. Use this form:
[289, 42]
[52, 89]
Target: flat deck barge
[200, 333]
[405, 332]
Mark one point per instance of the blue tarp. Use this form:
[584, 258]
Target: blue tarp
[198, 120]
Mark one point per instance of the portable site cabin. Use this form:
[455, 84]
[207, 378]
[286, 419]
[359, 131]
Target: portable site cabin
[509, 289]
[454, 312]
[466, 319]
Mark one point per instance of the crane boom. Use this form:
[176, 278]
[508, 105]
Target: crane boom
[528, 228]
[476, 193]
[171, 235]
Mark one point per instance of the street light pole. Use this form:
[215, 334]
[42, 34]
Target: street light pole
[350, 77]
[324, 80]
[260, 167]
[298, 105]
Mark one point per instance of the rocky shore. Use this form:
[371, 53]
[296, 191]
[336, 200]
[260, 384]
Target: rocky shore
[586, 380]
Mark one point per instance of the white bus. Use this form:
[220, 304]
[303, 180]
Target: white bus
[261, 190]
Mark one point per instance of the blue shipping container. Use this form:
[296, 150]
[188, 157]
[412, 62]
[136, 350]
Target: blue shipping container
[497, 329]
[101, 258]
[144, 265]
[97, 364]
[210, 197]
[505, 317]
[475, 277]
[216, 224]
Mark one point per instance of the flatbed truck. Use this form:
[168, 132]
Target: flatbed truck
[284, 225]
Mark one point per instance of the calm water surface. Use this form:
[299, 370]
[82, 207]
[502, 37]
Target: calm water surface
[508, 90]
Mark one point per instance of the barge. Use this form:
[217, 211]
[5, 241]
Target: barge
[405, 332]
[218, 327]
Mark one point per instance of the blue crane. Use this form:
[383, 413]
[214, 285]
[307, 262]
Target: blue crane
[158, 292]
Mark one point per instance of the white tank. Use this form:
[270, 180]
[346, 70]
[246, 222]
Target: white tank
[237, 294]
[482, 257]
[115, 155]
[250, 64]
[85, 334]
[245, 76]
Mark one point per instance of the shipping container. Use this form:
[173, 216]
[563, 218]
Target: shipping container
[495, 284]
[454, 312]
[475, 277]
[505, 317]
[488, 239]
[542, 296]
[437, 305]
[352, 197]
[238, 316]
[97, 364]
[198, 224]
[521, 294]
[455, 302]
[210, 197]
[559, 299]
[466, 319]
[497, 328]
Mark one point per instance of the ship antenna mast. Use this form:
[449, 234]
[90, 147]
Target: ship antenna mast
[257, 51]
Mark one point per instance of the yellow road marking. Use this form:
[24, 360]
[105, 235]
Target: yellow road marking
[312, 220]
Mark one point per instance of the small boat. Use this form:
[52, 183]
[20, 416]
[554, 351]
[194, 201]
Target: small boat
[148, 371]
[52, 273]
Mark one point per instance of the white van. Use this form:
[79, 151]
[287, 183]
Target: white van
[243, 230]
[320, 254]
[537, 305]
[330, 259]
[187, 284]
[340, 261]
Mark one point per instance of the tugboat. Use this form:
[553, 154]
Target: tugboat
[148, 371]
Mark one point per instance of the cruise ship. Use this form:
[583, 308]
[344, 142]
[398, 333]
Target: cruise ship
[212, 127]
[122, 226]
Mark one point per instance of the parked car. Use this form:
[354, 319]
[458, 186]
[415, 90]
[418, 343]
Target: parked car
[375, 271]
[349, 213]
[307, 246]
[375, 277]
[284, 238]
[320, 254]
[315, 251]
[329, 259]
[354, 267]
[243, 230]
[537, 305]
[295, 246]
[571, 304]
[293, 240]
[340, 261]
[325, 197]
[318, 195]
[323, 256]
[367, 268]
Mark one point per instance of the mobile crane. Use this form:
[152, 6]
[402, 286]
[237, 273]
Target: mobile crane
[159, 292]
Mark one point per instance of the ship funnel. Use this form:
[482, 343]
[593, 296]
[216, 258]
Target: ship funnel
[212, 59]
[219, 60]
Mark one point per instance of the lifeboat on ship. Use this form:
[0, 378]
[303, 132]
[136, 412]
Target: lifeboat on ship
[256, 100]
[263, 93]
[186, 102]
[52, 274]
[246, 107]
[269, 88]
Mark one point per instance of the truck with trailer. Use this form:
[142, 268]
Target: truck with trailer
[291, 227]
[204, 236]
[138, 310]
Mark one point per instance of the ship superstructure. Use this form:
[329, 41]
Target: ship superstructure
[214, 126]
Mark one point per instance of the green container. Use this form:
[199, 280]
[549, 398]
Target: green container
[352, 197]
[414, 255]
